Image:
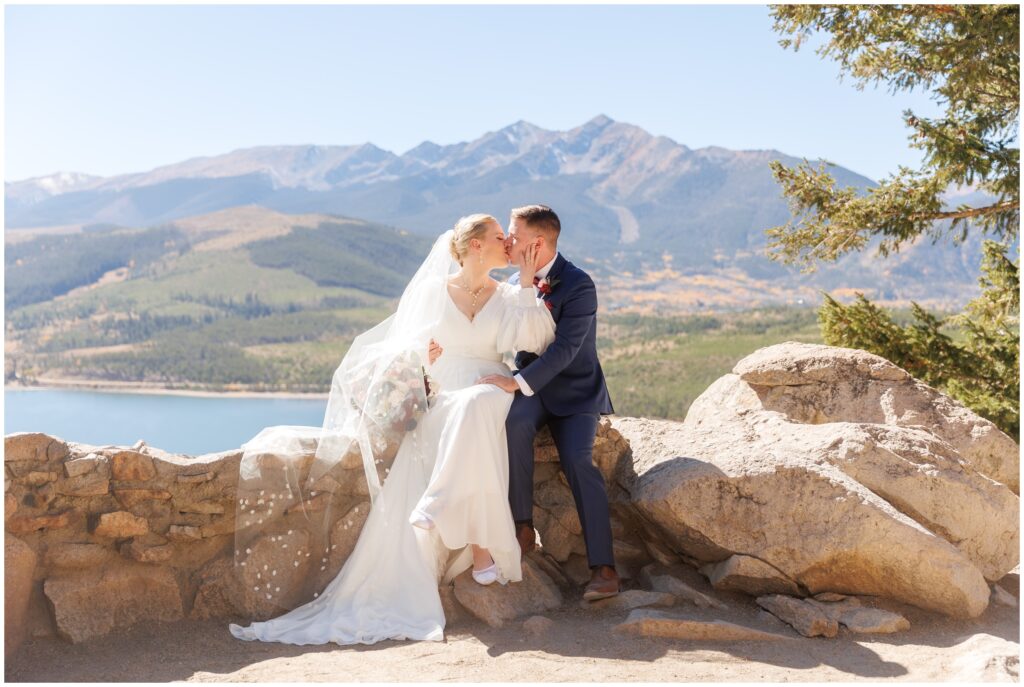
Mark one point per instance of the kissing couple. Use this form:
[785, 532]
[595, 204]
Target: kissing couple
[460, 378]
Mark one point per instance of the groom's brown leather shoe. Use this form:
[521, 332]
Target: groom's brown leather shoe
[604, 582]
[527, 538]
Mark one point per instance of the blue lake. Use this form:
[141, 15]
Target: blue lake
[175, 423]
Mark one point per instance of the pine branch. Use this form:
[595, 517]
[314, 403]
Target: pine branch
[967, 213]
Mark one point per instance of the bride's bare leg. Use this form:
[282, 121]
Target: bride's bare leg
[485, 570]
[481, 558]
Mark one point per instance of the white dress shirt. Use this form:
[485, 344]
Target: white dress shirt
[540, 274]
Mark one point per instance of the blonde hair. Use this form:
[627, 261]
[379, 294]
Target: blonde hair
[468, 228]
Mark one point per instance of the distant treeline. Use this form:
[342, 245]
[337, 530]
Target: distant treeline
[655, 366]
[191, 358]
[209, 328]
[249, 307]
[50, 266]
[369, 257]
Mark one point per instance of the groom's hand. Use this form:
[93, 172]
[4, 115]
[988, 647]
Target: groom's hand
[434, 351]
[501, 381]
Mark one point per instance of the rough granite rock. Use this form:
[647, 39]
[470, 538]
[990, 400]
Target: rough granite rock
[93, 483]
[19, 567]
[497, 604]
[712, 501]
[816, 384]
[873, 620]
[829, 596]
[272, 562]
[27, 524]
[745, 573]
[26, 452]
[1003, 597]
[804, 617]
[660, 578]
[852, 613]
[148, 549]
[39, 478]
[93, 602]
[132, 466]
[130, 498]
[218, 593]
[835, 609]
[649, 623]
[859, 507]
[660, 553]
[555, 518]
[78, 465]
[453, 610]
[1011, 581]
[553, 570]
[120, 524]
[630, 599]
[577, 570]
[78, 555]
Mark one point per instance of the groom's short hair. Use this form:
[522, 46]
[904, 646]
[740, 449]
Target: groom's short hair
[542, 218]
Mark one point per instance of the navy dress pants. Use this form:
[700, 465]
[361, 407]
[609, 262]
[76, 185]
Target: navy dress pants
[574, 438]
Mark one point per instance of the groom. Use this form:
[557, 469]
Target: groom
[563, 388]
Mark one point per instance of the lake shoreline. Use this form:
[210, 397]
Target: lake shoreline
[155, 389]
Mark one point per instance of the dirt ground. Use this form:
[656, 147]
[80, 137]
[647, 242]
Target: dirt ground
[579, 647]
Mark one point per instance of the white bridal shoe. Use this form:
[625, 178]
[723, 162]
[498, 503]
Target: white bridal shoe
[418, 519]
[488, 575]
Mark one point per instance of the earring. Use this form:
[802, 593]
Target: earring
[481, 257]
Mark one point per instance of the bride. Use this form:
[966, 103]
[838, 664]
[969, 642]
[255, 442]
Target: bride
[442, 506]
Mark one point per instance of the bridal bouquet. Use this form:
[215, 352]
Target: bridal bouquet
[391, 394]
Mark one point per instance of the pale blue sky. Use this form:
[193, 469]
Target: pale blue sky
[113, 89]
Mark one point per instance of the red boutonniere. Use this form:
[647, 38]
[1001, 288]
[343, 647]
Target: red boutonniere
[545, 286]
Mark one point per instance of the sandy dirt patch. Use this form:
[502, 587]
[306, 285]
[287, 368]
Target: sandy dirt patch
[579, 647]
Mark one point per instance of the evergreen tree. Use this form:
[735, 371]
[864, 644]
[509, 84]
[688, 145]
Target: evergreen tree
[981, 371]
[968, 57]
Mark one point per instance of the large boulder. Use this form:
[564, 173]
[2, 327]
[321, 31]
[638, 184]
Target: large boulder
[94, 602]
[876, 504]
[815, 384]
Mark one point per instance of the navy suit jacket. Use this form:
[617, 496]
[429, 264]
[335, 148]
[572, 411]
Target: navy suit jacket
[567, 376]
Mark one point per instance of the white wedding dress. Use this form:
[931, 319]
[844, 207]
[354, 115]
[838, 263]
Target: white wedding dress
[452, 467]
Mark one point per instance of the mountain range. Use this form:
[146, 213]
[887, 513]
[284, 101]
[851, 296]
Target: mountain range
[642, 212]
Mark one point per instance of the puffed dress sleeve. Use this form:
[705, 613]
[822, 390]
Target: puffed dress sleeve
[526, 322]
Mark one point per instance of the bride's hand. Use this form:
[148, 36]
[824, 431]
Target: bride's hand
[434, 351]
[528, 264]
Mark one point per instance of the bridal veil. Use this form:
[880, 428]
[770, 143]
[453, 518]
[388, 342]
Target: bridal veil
[295, 482]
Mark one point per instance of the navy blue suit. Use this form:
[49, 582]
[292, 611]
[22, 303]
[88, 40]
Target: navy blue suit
[569, 397]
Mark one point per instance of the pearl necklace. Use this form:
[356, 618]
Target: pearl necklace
[476, 294]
